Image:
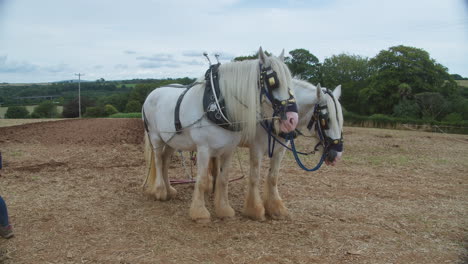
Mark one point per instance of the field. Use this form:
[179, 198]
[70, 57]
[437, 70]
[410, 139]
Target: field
[73, 188]
[30, 109]
[463, 83]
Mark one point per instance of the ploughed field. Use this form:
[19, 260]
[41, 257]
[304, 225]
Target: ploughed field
[73, 189]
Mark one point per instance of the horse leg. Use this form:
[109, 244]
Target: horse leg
[273, 204]
[159, 190]
[150, 167]
[253, 206]
[167, 153]
[222, 207]
[213, 169]
[198, 211]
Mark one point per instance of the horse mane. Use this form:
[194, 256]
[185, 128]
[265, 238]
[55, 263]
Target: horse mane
[238, 82]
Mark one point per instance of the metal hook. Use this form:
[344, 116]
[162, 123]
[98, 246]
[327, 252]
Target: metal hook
[208, 58]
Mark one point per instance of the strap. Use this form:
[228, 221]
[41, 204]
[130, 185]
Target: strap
[178, 125]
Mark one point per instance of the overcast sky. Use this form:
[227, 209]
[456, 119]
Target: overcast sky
[51, 40]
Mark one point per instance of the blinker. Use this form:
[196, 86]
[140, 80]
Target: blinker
[271, 81]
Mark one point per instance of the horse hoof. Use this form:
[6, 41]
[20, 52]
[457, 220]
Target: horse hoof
[257, 213]
[172, 192]
[226, 213]
[276, 210]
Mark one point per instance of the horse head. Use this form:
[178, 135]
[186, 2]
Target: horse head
[275, 84]
[329, 117]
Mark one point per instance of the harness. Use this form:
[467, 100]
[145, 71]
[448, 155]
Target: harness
[213, 102]
[318, 121]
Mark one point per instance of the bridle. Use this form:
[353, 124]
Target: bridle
[269, 82]
[319, 121]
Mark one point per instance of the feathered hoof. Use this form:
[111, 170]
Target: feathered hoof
[172, 192]
[160, 194]
[225, 213]
[256, 213]
[276, 209]
[200, 215]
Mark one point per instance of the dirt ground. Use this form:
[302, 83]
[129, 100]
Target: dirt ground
[73, 189]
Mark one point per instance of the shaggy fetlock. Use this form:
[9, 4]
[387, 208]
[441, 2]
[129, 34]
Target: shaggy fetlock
[276, 209]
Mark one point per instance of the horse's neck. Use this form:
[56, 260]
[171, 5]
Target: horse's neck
[306, 98]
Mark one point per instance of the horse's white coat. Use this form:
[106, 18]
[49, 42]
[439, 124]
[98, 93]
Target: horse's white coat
[238, 83]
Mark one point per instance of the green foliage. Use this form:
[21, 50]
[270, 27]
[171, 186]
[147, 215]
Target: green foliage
[453, 118]
[406, 108]
[133, 106]
[401, 64]
[70, 109]
[95, 111]
[16, 112]
[432, 105]
[352, 72]
[304, 64]
[126, 115]
[46, 109]
[110, 110]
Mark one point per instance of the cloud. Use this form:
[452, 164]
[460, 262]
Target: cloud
[157, 57]
[16, 67]
[193, 53]
[155, 65]
[121, 66]
[130, 52]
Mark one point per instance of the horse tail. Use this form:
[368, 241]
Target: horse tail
[149, 158]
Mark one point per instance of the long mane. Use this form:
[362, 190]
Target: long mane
[239, 83]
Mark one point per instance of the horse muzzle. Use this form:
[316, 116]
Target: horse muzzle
[289, 124]
[333, 154]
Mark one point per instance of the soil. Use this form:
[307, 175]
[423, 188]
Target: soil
[73, 189]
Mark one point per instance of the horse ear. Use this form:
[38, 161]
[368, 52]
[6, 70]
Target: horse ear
[281, 56]
[261, 56]
[320, 94]
[337, 92]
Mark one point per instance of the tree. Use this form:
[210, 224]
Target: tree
[304, 64]
[352, 72]
[402, 64]
[133, 106]
[110, 110]
[432, 105]
[16, 112]
[46, 109]
[70, 109]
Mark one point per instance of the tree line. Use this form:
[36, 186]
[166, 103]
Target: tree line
[401, 82]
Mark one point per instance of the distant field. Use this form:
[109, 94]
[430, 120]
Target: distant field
[30, 109]
[462, 83]
[17, 122]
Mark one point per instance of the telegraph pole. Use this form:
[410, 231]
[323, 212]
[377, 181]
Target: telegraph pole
[79, 93]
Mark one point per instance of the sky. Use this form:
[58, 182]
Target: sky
[52, 40]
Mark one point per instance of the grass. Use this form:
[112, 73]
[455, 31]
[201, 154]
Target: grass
[463, 83]
[126, 115]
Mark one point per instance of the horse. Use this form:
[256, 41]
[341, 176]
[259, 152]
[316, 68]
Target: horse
[312, 102]
[238, 83]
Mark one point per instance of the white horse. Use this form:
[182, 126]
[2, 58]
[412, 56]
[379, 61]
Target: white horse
[239, 87]
[308, 97]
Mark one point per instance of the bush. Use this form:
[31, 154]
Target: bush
[95, 111]
[133, 106]
[70, 109]
[110, 110]
[453, 118]
[46, 109]
[406, 108]
[16, 112]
